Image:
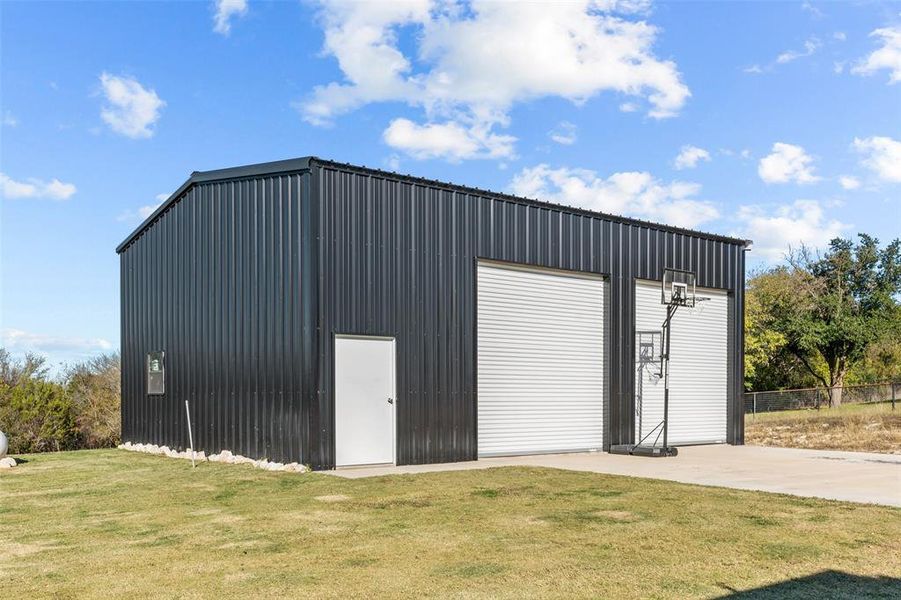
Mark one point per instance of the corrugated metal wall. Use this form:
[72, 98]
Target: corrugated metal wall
[398, 258]
[219, 283]
[244, 283]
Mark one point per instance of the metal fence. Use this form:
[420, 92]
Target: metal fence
[816, 398]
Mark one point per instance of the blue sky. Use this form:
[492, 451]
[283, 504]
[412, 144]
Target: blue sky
[780, 122]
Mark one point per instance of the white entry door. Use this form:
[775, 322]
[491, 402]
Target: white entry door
[540, 360]
[364, 400]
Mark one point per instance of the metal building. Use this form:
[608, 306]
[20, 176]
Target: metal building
[330, 314]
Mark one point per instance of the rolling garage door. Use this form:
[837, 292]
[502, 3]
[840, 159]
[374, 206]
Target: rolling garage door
[698, 367]
[541, 382]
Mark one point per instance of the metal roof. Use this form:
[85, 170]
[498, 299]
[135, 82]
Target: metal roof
[303, 164]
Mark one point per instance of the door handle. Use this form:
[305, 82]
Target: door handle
[390, 400]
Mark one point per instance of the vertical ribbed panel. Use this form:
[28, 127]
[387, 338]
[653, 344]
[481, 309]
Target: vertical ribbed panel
[218, 283]
[398, 258]
[244, 282]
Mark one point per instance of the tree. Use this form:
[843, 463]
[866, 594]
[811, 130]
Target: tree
[769, 364]
[38, 415]
[93, 387]
[77, 409]
[840, 305]
[13, 371]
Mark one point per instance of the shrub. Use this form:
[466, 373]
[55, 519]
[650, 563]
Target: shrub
[93, 387]
[38, 416]
[80, 410]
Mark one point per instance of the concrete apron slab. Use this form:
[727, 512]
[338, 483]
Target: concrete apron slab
[851, 476]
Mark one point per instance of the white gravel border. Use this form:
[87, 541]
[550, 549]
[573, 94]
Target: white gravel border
[223, 457]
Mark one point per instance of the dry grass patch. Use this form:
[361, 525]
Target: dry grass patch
[116, 524]
[332, 498]
[858, 428]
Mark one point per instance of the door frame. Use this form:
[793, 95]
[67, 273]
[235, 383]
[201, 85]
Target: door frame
[363, 336]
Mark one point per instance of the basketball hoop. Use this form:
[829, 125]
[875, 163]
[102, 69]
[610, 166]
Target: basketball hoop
[678, 288]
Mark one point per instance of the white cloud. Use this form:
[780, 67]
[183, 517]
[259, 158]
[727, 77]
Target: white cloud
[888, 56]
[689, 156]
[813, 10]
[635, 194]
[473, 63]
[131, 109]
[839, 36]
[9, 119]
[882, 155]
[788, 226]
[787, 163]
[449, 140]
[564, 133]
[848, 182]
[628, 107]
[142, 212]
[225, 10]
[17, 340]
[35, 188]
[810, 46]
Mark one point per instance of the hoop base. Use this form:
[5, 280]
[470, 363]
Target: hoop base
[649, 451]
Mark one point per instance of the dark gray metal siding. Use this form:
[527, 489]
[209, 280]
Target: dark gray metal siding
[398, 258]
[247, 276]
[220, 282]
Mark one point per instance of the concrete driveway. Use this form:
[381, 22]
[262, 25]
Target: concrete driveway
[852, 476]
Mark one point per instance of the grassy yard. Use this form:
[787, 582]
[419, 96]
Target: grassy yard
[857, 427]
[116, 524]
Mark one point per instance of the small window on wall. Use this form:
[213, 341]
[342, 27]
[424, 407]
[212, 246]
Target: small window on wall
[156, 373]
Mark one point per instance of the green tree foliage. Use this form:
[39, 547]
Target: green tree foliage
[35, 413]
[81, 410]
[830, 314]
[93, 387]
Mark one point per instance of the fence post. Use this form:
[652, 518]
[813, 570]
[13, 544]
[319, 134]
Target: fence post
[754, 401]
[893, 395]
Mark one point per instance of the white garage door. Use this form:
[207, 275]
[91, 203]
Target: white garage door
[698, 367]
[540, 360]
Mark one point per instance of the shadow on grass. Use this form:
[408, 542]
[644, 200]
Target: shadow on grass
[825, 584]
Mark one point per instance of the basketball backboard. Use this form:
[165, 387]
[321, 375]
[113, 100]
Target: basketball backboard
[678, 288]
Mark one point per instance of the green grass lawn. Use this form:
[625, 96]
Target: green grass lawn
[857, 427]
[117, 524]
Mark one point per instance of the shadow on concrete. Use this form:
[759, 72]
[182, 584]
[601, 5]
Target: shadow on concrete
[826, 584]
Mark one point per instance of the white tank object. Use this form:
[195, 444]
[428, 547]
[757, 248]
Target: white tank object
[4, 444]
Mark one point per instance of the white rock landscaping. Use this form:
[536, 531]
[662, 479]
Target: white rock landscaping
[223, 457]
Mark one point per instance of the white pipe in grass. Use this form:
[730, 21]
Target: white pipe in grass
[190, 435]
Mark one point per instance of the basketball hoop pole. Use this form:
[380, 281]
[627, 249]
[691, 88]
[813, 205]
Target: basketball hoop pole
[670, 312]
[682, 295]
